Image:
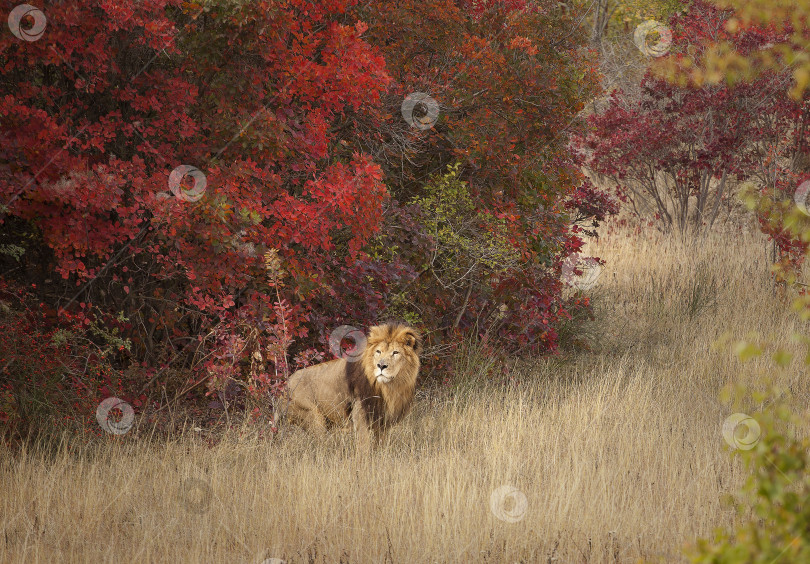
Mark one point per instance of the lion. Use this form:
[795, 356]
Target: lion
[374, 392]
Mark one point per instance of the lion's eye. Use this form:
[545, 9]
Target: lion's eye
[377, 352]
[395, 352]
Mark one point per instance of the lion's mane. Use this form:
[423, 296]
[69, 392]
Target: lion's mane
[386, 404]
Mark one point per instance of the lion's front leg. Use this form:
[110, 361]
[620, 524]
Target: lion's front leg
[360, 424]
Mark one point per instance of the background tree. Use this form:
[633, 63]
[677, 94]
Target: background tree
[679, 149]
[739, 55]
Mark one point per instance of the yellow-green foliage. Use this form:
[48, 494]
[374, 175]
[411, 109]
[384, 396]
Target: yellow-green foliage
[468, 240]
[635, 12]
[723, 62]
[400, 307]
[774, 505]
[627, 14]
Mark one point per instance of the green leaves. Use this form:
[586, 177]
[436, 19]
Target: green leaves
[746, 351]
[773, 507]
[468, 240]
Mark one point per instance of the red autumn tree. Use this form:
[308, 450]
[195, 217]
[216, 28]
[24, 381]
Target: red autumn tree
[99, 111]
[686, 141]
[202, 185]
[761, 45]
[495, 86]
[677, 148]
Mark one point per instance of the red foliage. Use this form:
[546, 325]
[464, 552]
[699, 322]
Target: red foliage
[278, 107]
[690, 133]
[99, 117]
[49, 380]
[508, 84]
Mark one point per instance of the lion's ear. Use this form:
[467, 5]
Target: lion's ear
[413, 340]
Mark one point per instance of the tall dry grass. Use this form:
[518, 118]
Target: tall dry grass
[613, 455]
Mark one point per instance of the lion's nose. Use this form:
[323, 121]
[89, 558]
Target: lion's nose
[382, 366]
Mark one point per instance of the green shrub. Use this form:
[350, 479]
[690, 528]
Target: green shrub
[773, 508]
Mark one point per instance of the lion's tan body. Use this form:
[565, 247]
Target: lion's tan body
[373, 393]
[319, 395]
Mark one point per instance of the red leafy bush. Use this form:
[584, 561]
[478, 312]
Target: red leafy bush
[216, 180]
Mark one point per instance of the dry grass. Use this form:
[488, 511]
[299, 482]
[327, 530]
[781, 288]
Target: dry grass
[618, 452]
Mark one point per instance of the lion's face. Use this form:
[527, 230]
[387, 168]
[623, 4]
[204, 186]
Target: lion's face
[392, 351]
[388, 359]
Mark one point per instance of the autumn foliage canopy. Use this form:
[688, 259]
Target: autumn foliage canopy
[196, 194]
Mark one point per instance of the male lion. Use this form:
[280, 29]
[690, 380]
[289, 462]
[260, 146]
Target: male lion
[376, 391]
